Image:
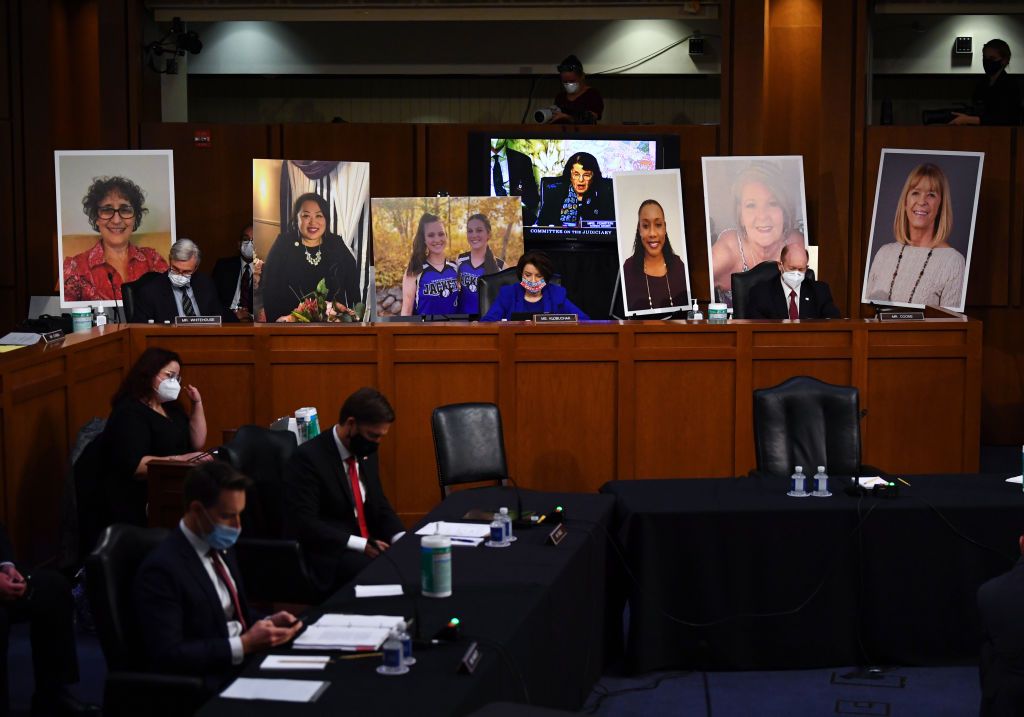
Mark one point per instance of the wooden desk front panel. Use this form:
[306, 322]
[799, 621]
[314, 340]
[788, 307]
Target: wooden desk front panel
[586, 404]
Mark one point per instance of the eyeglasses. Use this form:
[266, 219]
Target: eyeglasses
[127, 211]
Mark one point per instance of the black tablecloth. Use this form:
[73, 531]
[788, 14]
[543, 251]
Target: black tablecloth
[852, 580]
[537, 611]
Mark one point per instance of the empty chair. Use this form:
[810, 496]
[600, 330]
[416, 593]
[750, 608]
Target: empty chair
[807, 422]
[130, 290]
[274, 567]
[111, 570]
[469, 445]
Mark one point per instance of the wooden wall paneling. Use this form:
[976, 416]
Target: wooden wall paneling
[118, 58]
[212, 183]
[989, 283]
[389, 148]
[447, 155]
[744, 75]
[1002, 375]
[94, 375]
[1016, 259]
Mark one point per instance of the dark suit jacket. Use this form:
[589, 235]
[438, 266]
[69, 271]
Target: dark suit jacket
[768, 301]
[320, 504]
[522, 183]
[156, 300]
[225, 278]
[1002, 653]
[6, 551]
[179, 614]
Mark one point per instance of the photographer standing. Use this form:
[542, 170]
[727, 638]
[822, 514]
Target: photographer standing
[578, 102]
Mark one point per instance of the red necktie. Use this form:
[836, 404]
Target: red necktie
[357, 495]
[794, 312]
[245, 294]
[222, 573]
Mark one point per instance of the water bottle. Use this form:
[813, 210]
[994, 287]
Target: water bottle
[508, 525]
[697, 316]
[497, 534]
[392, 651]
[406, 639]
[689, 311]
[821, 483]
[796, 487]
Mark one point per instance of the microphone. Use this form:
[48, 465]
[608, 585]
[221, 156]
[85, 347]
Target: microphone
[113, 294]
[411, 593]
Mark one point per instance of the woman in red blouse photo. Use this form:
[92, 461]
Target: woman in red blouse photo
[114, 206]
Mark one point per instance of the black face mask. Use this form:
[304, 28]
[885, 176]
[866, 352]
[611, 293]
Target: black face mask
[991, 66]
[361, 446]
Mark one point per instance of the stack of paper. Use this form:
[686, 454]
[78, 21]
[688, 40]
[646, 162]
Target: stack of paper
[456, 530]
[347, 632]
[247, 688]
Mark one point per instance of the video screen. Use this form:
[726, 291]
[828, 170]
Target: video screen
[564, 183]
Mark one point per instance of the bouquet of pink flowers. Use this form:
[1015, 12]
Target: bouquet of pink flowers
[315, 307]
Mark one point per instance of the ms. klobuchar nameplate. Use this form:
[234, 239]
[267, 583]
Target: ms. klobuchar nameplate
[556, 319]
[197, 320]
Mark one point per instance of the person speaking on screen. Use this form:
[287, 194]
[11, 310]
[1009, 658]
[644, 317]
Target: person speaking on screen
[533, 294]
[582, 195]
[655, 276]
[577, 102]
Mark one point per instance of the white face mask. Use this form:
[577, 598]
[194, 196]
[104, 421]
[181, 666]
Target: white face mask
[179, 281]
[793, 279]
[168, 390]
[247, 250]
[571, 87]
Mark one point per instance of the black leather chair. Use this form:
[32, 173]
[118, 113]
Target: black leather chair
[489, 285]
[744, 281]
[130, 290]
[110, 571]
[469, 445]
[274, 568]
[806, 422]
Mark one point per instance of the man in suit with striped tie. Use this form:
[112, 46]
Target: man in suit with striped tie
[336, 505]
[190, 602]
[182, 291]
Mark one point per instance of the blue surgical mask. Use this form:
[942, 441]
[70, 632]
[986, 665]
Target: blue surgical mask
[222, 537]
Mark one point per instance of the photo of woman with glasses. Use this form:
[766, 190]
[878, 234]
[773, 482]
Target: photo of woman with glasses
[114, 207]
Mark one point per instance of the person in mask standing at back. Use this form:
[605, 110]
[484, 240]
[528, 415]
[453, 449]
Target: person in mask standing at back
[996, 97]
[336, 505]
[188, 594]
[237, 276]
[578, 102]
[793, 295]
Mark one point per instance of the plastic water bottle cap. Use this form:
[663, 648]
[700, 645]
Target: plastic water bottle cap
[821, 469]
[400, 626]
[799, 469]
[503, 511]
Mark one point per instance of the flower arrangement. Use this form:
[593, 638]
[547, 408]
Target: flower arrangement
[315, 307]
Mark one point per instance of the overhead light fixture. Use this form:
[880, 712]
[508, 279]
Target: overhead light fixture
[176, 43]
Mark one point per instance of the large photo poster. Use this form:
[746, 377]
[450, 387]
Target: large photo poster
[115, 221]
[430, 251]
[311, 221]
[922, 228]
[655, 278]
[754, 206]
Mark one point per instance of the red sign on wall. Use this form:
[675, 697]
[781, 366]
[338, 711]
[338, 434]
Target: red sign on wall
[201, 138]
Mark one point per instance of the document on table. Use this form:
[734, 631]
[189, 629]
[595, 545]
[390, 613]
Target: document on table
[18, 338]
[341, 619]
[342, 638]
[456, 530]
[363, 591]
[871, 481]
[248, 688]
[297, 662]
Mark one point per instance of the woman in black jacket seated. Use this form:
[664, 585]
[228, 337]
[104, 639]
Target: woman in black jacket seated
[582, 195]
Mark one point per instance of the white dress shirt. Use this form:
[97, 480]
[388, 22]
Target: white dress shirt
[355, 542]
[202, 549]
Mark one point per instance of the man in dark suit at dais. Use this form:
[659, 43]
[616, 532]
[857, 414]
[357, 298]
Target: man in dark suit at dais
[793, 295]
[336, 505]
[190, 602]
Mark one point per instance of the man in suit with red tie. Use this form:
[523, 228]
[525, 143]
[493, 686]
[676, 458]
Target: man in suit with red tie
[189, 598]
[793, 295]
[336, 505]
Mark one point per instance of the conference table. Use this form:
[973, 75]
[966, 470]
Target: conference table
[537, 612]
[734, 574]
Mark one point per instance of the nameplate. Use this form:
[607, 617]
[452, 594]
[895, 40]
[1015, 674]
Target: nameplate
[197, 320]
[470, 660]
[558, 534]
[52, 337]
[901, 316]
[556, 319]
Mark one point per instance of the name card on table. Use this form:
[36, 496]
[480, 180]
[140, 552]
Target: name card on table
[52, 337]
[197, 320]
[556, 319]
[470, 659]
[558, 534]
[901, 316]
